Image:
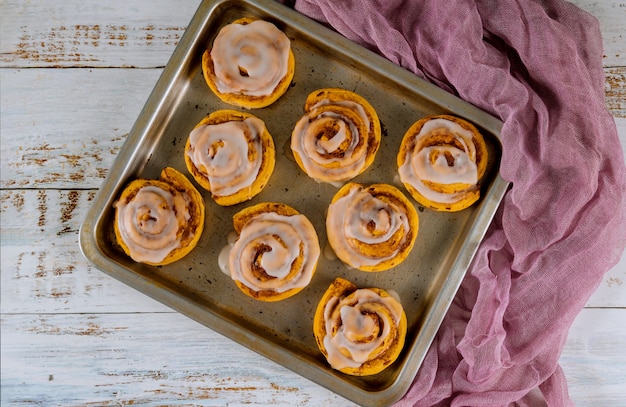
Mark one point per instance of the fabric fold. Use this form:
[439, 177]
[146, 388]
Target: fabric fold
[538, 67]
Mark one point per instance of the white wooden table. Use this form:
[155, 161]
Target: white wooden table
[74, 75]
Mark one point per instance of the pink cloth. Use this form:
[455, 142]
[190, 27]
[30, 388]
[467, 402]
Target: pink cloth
[538, 67]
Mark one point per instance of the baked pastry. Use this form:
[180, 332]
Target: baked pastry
[338, 137]
[251, 63]
[232, 155]
[359, 331]
[371, 228]
[159, 221]
[276, 253]
[441, 162]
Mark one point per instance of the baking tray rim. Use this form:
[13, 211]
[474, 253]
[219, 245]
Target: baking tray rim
[91, 249]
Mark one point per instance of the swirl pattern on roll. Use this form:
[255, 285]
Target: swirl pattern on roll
[338, 137]
[276, 252]
[371, 228]
[250, 64]
[159, 221]
[359, 331]
[231, 154]
[441, 161]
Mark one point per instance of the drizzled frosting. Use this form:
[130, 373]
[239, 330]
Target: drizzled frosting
[229, 154]
[250, 58]
[360, 327]
[360, 219]
[149, 223]
[442, 164]
[337, 158]
[275, 252]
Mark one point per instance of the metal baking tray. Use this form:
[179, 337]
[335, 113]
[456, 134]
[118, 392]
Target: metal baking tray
[426, 282]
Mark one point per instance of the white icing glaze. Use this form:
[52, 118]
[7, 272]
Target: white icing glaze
[463, 171]
[430, 164]
[350, 218]
[347, 347]
[329, 253]
[286, 238]
[394, 294]
[222, 259]
[314, 152]
[222, 151]
[250, 58]
[149, 223]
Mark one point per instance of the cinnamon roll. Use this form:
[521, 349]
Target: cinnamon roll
[371, 228]
[232, 155]
[159, 221]
[441, 162]
[338, 137]
[251, 63]
[275, 254]
[359, 331]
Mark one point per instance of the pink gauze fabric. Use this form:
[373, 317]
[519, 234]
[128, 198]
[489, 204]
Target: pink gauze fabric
[538, 67]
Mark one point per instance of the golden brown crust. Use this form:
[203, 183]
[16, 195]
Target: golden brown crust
[380, 248]
[299, 266]
[340, 293]
[240, 99]
[189, 232]
[245, 215]
[336, 165]
[465, 194]
[268, 160]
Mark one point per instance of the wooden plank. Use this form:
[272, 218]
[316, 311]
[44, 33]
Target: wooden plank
[594, 358]
[76, 33]
[612, 291]
[167, 359]
[144, 34]
[62, 128]
[42, 262]
[615, 91]
[57, 279]
[611, 16]
[42, 148]
[139, 359]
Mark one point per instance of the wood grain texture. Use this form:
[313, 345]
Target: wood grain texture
[167, 359]
[76, 33]
[615, 91]
[611, 16]
[44, 149]
[73, 336]
[594, 359]
[140, 359]
[42, 261]
[122, 33]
